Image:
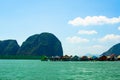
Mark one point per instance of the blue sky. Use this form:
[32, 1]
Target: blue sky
[83, 26]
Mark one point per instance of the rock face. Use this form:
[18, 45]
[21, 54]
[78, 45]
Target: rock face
[8, 47]
[41, 44]
[113, 50]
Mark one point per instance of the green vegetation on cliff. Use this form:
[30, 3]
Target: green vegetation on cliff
[44, 44]
[41, 44]
[8, 47]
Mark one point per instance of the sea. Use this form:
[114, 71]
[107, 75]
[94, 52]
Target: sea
[59, 70]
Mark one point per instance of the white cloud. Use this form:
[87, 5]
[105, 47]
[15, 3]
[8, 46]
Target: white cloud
[110, 37]
[88, 32]
[76, 39]
[119, 28]
[82, 50]
[96, 49]
[94, 20]
[97, 46]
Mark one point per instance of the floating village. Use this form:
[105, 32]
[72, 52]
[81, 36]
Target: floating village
[112, 57]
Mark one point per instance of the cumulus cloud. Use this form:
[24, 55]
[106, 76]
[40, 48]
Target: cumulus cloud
[110, 37]
[94, 20]
[88, 32]
[119, 28]
[76, 39]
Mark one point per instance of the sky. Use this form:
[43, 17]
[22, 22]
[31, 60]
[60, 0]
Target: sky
[83, 26]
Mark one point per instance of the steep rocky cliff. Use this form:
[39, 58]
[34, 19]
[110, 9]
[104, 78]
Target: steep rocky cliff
[8, 47]
[41, 44]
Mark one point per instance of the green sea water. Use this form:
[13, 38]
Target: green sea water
[42, 70]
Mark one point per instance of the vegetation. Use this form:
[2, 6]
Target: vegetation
[34, 47]
[43, 58]
[18, 57]
[8, 47]
[41, 44]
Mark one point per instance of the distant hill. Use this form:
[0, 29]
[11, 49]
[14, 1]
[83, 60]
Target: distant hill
[113, 50]
[41, 44]
[8, 47]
